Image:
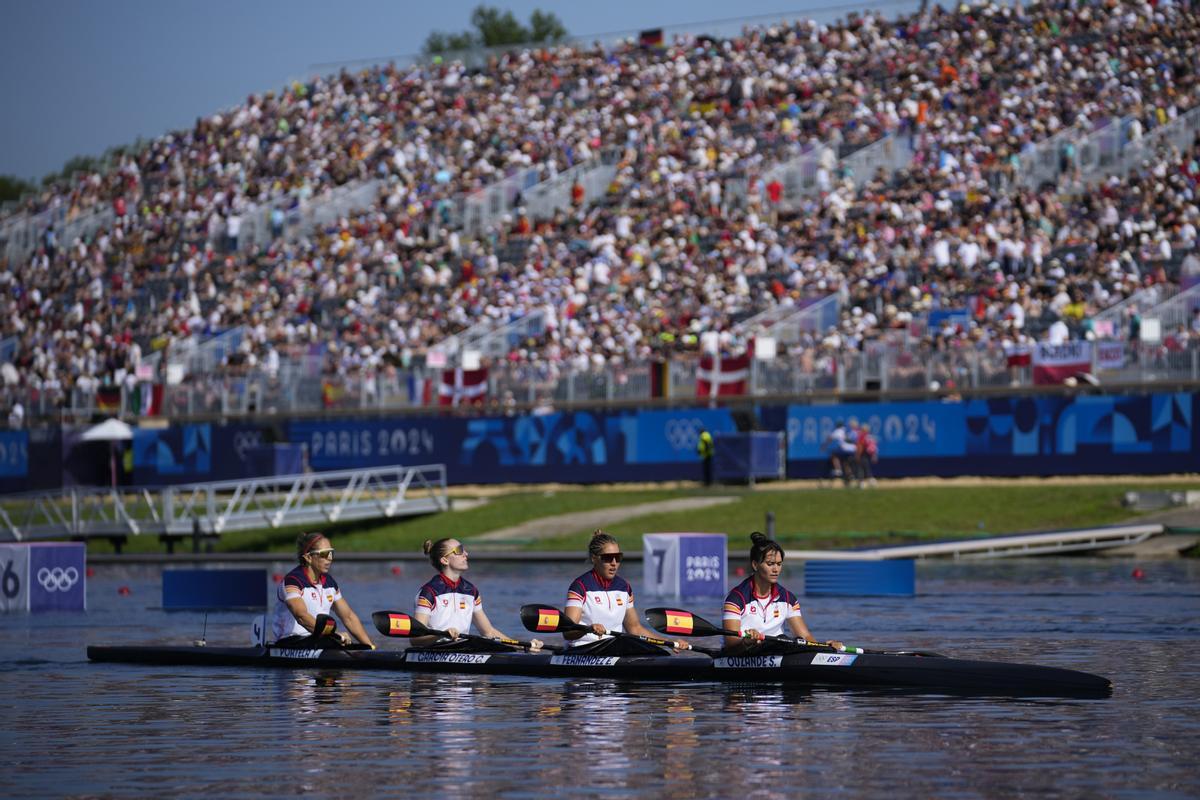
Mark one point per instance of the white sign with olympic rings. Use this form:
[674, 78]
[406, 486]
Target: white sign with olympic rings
[57, 579]
[43, 577]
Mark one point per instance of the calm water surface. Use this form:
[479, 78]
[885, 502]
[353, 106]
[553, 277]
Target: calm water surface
[74, 728]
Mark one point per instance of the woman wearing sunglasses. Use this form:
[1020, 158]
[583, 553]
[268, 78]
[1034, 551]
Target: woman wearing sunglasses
[448, 601]
[309, 591]
[603, 600]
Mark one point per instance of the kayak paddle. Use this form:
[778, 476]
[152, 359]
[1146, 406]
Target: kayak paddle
[542, 618]
[684, 623]
[397, 624]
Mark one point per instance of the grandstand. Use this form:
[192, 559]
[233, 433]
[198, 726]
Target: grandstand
[956, 185]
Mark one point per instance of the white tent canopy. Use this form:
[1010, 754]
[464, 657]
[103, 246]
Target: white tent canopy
[111, 430]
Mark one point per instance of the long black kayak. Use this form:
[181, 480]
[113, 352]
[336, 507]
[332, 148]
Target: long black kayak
[809, 668]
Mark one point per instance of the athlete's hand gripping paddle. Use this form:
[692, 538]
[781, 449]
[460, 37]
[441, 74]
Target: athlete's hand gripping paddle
[678, 622]
[397, 624]
[544, 618]
[684, 623]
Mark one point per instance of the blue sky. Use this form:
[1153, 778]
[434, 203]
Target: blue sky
[81, 76]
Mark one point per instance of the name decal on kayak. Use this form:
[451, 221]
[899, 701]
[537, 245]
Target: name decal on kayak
[834, 659]
[447, 658]
[585, 661]
[743, 662]
[285, 652]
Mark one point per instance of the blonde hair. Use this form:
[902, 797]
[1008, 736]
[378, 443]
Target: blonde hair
[437, 551]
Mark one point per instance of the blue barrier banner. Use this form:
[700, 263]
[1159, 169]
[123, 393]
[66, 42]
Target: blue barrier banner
[181, 451]
[347, 444]
[214, 589]
[58, 576]
[536, 446]
[902, 429]
[1092, 426]
[665, 437]
[14, 454]
[888, 578]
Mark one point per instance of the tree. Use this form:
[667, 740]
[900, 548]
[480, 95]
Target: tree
[546, 27]
[494, 27]
[12, 187]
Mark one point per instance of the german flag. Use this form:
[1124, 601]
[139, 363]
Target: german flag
[547, 620]
[399, 624]
[325, 626]
[679, 622]
[660, 379]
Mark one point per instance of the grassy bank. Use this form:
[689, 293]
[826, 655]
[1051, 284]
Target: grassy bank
[816, 518]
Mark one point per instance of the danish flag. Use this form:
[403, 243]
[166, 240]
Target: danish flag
[462, 386]
[720, 376]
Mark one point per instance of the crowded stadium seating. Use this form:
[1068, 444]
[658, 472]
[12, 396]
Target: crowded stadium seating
[953, 256]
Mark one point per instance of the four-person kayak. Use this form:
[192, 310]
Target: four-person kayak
[930, 673]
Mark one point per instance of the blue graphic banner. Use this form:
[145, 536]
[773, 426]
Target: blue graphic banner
[902, 429]
[14, 454]
[625, 445]
[182, 452]
[1014, 435]
[1092, 426]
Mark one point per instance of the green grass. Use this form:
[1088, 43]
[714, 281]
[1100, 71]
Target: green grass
[809, 518]
[841, 518]
[408, 534]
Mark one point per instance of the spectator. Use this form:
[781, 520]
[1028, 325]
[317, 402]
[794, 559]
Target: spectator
[866, 456]
[705, 449]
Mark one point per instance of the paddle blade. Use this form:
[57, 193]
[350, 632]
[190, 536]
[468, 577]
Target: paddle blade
[679, 622]
[396, 623]
[324, 625]
[541, 618]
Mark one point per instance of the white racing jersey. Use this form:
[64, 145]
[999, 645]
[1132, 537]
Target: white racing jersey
[449, 605]
[602, 601]
[318, 599]
[766, 614]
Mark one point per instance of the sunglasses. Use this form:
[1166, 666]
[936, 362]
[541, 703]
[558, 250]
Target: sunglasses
[327, 553]
[458, 551]
[612, 558]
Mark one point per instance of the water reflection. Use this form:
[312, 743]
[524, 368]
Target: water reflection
[146, 731]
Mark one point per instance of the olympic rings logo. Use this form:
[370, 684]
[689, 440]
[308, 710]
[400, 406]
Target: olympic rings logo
[244, 440]
[57, 579]
[682, 434]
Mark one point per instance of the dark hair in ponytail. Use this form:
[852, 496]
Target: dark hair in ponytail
[437, 551]
[599, 540]
[761, 547]
[304, 543]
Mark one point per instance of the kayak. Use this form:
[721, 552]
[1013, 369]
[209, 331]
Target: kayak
[903, 671]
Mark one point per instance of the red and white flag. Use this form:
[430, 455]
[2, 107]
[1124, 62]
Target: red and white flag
[462, 386]
[1110, 355]
[1054, 363]
[1018, 354]
[720, 376]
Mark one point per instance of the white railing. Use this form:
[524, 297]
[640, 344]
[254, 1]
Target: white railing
[554, 194]
[799, 176]
[1111, 322]
[890, 154]
[223, 506]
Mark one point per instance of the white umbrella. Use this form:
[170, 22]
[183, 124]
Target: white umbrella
[111, 430]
